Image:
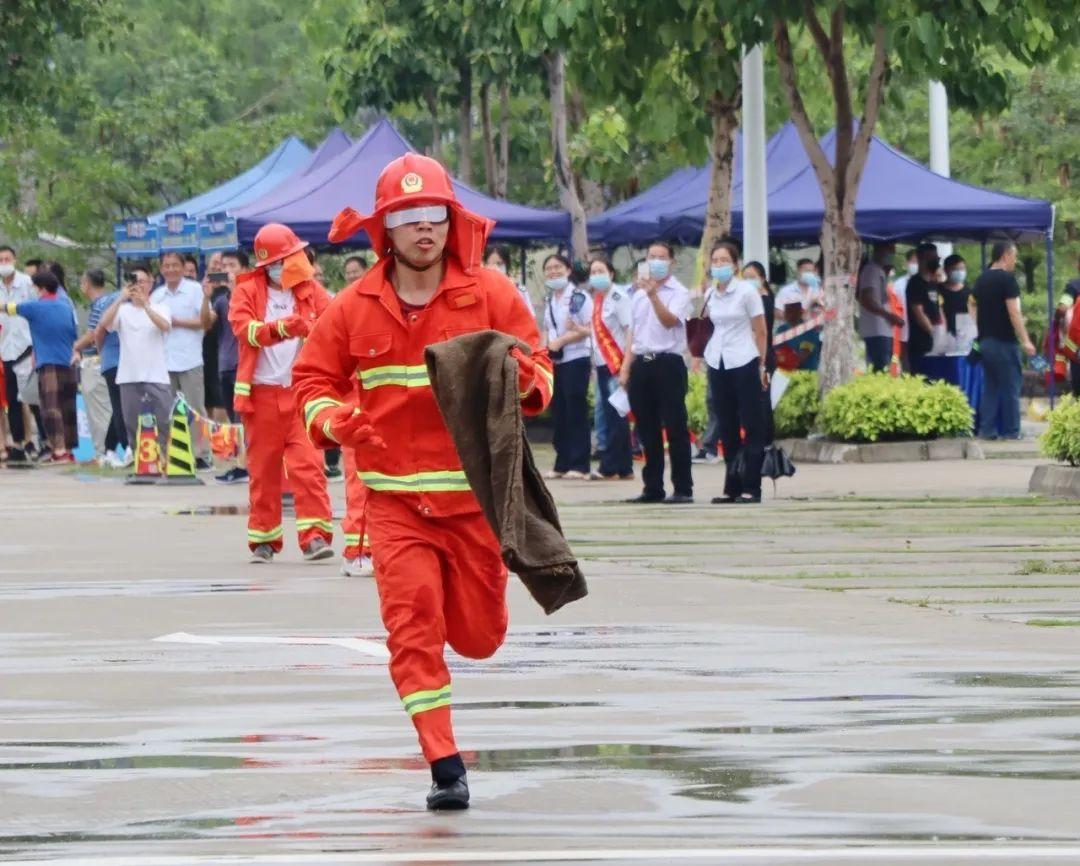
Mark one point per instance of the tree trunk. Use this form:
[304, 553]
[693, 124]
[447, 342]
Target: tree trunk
[502, 177]
[555, 64]
[723, 113]
[840, 248]
[436, 130]
[490, 173]
[464, 169]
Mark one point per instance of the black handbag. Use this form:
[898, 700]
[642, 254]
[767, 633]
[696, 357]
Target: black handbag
[554, 354]
[699, 330]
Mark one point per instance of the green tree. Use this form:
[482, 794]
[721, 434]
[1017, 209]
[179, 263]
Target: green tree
[958, 42]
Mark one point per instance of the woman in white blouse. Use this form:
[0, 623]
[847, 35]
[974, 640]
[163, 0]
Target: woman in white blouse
[565, 334]
[736, 356]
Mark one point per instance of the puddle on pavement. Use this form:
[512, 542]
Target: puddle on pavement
[138, 762]
[134, 588]
[828, 698]
[732, 730]
[525, 705]
[208, 511]
[1008, 680]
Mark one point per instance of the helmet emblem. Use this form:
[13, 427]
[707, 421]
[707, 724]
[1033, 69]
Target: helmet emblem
[412, 182]
[261, 252]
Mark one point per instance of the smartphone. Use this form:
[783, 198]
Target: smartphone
[643, 270]
[218, 277]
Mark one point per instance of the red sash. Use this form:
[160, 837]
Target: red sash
[605, 340]
[895, 367]
[805, 328]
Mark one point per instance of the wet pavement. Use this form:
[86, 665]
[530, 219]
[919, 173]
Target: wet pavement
[766, 685]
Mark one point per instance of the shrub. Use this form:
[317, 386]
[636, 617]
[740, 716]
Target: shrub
[1061, 441]
[798, 409]
[878, 407]
[697, 409]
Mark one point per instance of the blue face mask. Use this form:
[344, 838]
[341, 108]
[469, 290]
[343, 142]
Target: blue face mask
[600, 282]
[658, 268]
[755, 282]
[808, 279]
[274, 272]
[557, 284]
[958, 276]
[722, 273]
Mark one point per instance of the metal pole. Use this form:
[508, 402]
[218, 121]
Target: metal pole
[939, 141]
[755, 206]
[1051, 349]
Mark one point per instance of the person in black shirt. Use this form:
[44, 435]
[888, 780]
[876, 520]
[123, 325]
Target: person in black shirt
[1001, 329]
[923, 305]
[956, 292]
[1072, 288]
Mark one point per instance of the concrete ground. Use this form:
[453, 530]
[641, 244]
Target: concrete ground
[876, 665]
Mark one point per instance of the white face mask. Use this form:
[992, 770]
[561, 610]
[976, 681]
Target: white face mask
[274, 272]
[912, 268]
[7, 270]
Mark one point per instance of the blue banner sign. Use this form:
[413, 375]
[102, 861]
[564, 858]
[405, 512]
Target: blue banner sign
[136, 239]
[217, 233]
[180, 234]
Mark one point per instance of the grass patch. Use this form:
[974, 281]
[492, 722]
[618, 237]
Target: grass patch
[1054, 623]
[1042, 566]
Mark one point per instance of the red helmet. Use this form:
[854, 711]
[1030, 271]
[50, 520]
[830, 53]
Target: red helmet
[274, 242]
[409, 181]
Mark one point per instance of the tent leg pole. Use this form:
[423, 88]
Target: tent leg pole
[1051, 348]
[523, 257]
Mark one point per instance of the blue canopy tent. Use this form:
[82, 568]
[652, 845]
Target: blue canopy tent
[675, 207]
[289, 156]
[309, 204]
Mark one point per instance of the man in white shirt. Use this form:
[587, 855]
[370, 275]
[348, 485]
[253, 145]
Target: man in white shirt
[654, 371]
[184, 344]
[16, 348]
[876, 320]
[804, 289]
[143, 375]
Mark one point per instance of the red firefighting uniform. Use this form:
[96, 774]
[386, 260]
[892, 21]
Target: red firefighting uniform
[438, 568]
[276, 442]
[354, 526]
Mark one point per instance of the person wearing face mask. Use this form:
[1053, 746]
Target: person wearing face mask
[956, 293]
[654, 372]
[16, 349]
[273, 308]
[566, 335]
[876, 320]
[754, 273]
[911, 268]
[498, 259]
[924, 305]
[805, 288]
[610, 324]
[737, 357]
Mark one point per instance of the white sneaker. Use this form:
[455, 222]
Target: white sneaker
[362, 566]
[128, 459]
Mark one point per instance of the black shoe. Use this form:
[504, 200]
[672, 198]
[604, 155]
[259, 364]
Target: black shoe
[17, 455]
[679, 499]
[201, 465]
[647, 498]
[236, 475]
[449, 797]
[333, 473]
[748, 499]
[724, 500]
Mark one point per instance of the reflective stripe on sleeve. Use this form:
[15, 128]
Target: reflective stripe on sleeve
[314, 407]
[253, 327]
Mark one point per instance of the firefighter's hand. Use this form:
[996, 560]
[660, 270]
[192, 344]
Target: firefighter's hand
[526, 370]
[295, 326]
[352, 428]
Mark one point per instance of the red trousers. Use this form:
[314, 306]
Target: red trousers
[278, 445]
[354, 526]
[441, 581]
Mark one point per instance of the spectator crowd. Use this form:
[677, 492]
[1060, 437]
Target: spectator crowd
[630, 342]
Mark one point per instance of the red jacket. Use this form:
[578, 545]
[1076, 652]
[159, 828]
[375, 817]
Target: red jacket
[246, 309]
[1071, 344]
[365, 338]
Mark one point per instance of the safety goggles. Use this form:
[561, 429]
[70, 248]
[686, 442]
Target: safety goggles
[432, 213]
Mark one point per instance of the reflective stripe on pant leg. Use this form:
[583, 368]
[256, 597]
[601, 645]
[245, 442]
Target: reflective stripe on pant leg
[410, 576]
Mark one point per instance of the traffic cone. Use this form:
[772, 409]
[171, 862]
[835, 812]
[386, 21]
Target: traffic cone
[147, 453]
[180, 461]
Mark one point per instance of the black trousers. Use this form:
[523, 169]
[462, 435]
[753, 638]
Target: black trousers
[616, 458]
[14, 407]
[227, 380]
[1074, 373]
[658, 400]
[739, 406]
[117, 434]
[570, 413]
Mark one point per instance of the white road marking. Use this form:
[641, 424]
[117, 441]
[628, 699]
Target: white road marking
[356, 644]
[861, 854]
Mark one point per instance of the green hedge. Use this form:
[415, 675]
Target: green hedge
[697, 408]
[878, 407]
[1061, 441]
[798, 409]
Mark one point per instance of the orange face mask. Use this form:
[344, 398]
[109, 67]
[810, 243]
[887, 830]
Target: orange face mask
[296, 268]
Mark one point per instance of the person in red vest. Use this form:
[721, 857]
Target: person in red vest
[272, 310]
[438, 565]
